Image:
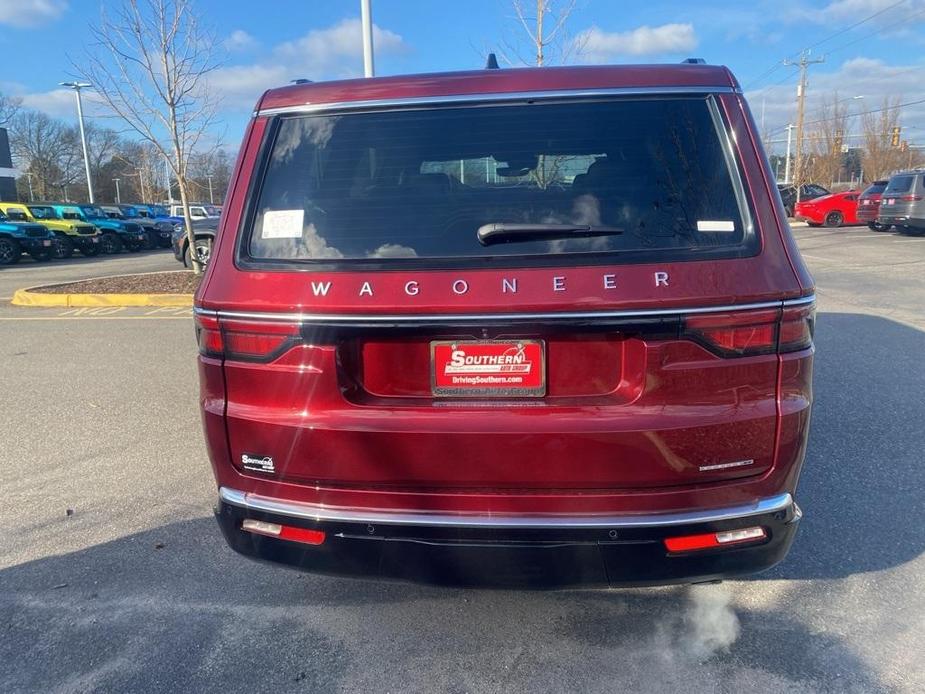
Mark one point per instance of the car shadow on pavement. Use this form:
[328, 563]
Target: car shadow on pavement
[862, 482]
[174, 609]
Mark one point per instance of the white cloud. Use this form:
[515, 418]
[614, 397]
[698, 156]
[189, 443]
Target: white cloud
[856, 10]
[598, 46]
[239, 40]
[869, 78]
[30, 13]
[61, 103]
[332, 53]
[323, 50]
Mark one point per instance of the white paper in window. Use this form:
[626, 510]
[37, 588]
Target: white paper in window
[709, 225]
[282, 224]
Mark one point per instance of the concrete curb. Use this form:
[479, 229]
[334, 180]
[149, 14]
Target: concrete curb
[33, 296]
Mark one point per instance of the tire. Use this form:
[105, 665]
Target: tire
[110, 244]
[876, 226]
[203, 251]
[789, 210]
[63, 248]
[834, 219]
[90, 251]
[164, 243]
[151, 240]
[42, 256]
[10, 252]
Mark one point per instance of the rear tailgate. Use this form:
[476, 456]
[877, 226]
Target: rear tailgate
[655, 372]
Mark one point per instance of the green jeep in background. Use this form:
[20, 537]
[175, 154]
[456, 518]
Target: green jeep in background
[70, 234]
[17, 238]
[116, 234]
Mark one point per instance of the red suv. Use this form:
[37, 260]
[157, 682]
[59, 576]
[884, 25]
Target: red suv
[869, 206]
[508, 326]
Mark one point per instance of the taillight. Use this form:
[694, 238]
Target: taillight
[244, 340]
[690, 543]
[910, 198]
[749, 333]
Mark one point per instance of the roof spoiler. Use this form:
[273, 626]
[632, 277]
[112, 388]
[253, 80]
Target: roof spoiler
[693, 61]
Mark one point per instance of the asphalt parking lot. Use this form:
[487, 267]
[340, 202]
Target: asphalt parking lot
[113, 576]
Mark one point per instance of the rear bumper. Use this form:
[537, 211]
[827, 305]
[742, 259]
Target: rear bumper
[524, 551]
[868, 214]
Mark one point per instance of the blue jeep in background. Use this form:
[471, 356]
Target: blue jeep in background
[17, 238]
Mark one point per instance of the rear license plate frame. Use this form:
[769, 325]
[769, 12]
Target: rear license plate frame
[534, 358]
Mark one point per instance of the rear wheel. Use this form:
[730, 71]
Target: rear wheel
[110, 243]
[9, 251]
[63, 248]
[203, 251]
[834, 219]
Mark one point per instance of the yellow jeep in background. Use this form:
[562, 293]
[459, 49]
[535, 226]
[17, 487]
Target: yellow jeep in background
[70, 234]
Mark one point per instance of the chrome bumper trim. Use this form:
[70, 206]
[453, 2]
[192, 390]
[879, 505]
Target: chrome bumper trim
[316, 512]
[482, 317]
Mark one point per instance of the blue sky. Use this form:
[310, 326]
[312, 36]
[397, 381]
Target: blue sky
[266, 44]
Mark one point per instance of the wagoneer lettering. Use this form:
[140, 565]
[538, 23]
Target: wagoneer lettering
[533, 325]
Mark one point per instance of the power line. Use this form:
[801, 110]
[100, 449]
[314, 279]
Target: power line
[853, 115]
[774, 68]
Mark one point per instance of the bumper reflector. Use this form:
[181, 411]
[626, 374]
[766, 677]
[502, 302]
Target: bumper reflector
[283, 532]
[689, 543]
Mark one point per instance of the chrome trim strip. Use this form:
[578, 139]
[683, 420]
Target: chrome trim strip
[481, 317]
[316, 512]
[489, 97]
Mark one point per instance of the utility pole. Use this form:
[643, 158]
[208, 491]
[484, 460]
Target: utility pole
[31, 195]
[803, 64]
[77, 86]
[366, 20]
[211, 200]
[118, 195]
[787, 160]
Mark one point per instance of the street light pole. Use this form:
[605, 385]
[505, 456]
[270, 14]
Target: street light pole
[211, 200]
[366, 21]
[77, 86]
[118, 196]
[31, 195]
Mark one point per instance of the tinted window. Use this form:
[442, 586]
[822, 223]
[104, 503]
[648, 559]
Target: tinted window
[42, 212]
[420, 184]
[875, 188]
[900, 184]
[17, 215]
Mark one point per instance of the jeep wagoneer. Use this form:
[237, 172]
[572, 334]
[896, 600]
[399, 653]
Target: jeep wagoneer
[533, 326]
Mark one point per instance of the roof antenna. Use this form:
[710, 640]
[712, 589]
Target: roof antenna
[492, 62]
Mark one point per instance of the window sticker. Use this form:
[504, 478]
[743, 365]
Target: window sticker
[282, 224]
[715, 225]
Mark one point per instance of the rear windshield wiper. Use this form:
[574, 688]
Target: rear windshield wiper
[501, 232]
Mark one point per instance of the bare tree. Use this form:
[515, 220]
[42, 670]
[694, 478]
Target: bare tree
[9, 106]
[42, 147]
[828, 142]
[881, 157]
[545, 27]
[150, 64]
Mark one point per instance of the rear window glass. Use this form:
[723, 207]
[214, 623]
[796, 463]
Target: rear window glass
[900, 184]
[875, 188]
[562, 179]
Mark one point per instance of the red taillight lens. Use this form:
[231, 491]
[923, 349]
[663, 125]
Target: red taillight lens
[910, 198]
[796, 328]
[692, 543]
[739, 334]
[748, 333]
[244, 340]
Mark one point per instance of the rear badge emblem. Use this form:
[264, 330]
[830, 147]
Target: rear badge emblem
[264, 464]
[723, 466]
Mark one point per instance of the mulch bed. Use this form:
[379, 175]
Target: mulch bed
[182, 282]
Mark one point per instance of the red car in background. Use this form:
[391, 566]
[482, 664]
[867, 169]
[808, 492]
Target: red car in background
[869, 206]
[834, 210]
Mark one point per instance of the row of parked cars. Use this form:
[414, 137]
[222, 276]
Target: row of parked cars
[897, 202]
[51, 230]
